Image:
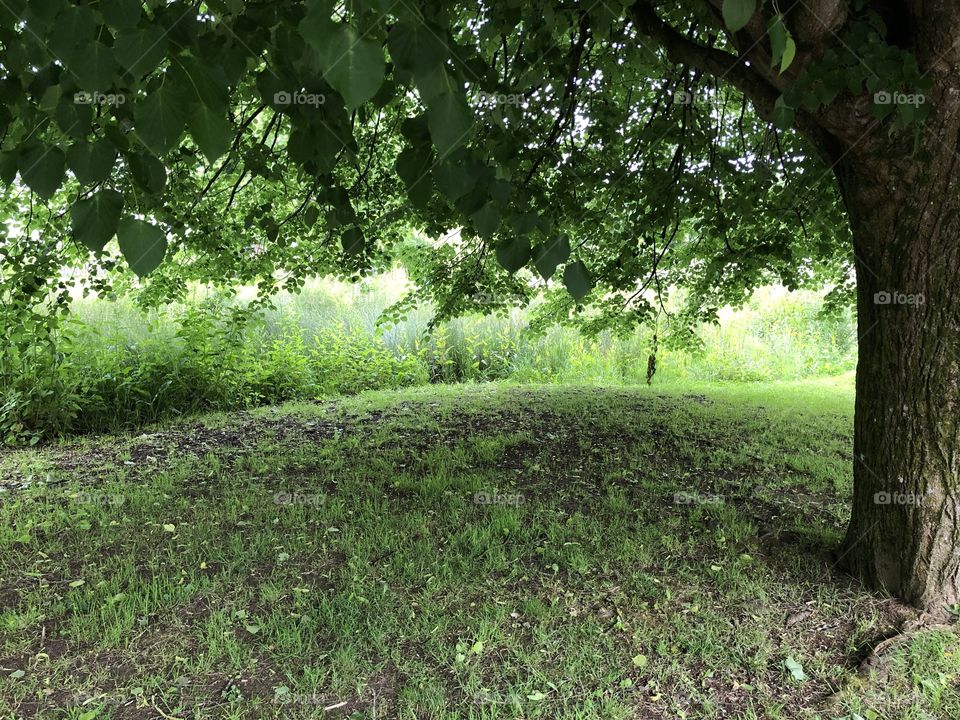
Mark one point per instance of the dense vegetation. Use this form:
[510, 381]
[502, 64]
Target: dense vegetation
[122, 367]
[606, 160]
[589, 194]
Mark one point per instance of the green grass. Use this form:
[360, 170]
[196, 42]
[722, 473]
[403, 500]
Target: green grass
[485, 551]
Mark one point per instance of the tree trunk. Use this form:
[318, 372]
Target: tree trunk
[904, 207]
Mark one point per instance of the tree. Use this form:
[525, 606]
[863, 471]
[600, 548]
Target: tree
[618, 149]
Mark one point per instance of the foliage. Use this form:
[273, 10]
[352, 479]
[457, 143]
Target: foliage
[267, 142]
[124, 368]
[349, 361]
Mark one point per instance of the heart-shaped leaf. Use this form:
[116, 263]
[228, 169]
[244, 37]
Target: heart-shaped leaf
[142, 244]
[514, 253]
[212, 131]
[353, 65]
[95, 219]
[42, 168]
[576, 279]
[159, 119]
[450, 120]
[737, 13]
[91, 162]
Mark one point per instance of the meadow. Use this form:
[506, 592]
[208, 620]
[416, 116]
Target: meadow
[459, 551]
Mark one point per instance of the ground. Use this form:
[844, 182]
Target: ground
[459, 552]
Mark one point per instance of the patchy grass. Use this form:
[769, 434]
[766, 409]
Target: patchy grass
[457, 552]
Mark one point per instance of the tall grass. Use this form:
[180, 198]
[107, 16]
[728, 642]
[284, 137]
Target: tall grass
[121, 367]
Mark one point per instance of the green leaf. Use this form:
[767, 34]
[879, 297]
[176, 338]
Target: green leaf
[416, 46]
[148, 172]
[789, 52]
[141, 51]
[42, 168]
[73, 117]
[450, 121]
[94, 67]
[549, 255]
[455, 180]
[95, 219]
[142, 244]
[433, 82]
[11, 12]
[212, 131]
[737, 13]
[317, 26]
[352, 241]
[50, 99]
[91, 162]
[203, 83]
[514, 253]
[576, 279]
[777, 32]
[413, 166]
[8, 166]
[795, 668]
[486, 219]
[159, 119]
[74, 28]
[121, 13]
[353, 65]
[640, 661]
[783, 115]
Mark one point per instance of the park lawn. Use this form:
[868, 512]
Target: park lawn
[485, 551]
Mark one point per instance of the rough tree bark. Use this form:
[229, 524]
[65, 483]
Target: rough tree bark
[902, 193]
[902, 196]
[904, 208]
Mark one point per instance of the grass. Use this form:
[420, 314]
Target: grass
[487, 551]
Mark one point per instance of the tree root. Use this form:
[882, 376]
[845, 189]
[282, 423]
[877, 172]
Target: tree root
[873, 669]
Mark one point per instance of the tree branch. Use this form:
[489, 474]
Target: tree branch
[732, 69]
[682, 50]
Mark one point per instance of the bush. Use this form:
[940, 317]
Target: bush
[348, 362]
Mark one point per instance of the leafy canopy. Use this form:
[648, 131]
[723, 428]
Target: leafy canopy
[595, 151]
